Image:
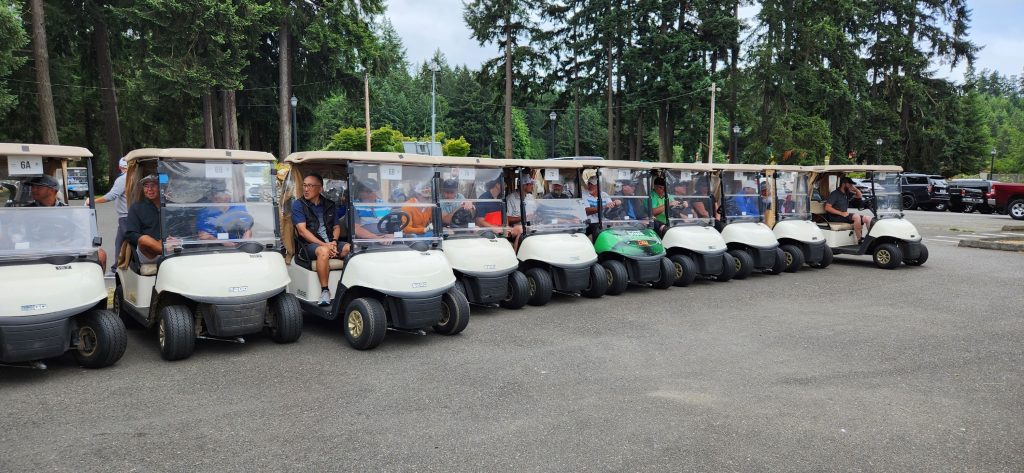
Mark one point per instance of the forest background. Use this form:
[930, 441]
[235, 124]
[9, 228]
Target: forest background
[803, 82]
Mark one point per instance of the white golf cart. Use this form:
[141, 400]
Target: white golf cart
[220, 274]
[554, 251]
[693, 244]
[53, 298]
[395, 276]
[472, 200]
[789, 216]
[751, 243]
[890, 239]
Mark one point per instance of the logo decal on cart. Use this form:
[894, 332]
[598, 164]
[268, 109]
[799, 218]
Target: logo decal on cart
[32, 307]
[301, 293]
[63, 266]
[419, 284]
[238, 289]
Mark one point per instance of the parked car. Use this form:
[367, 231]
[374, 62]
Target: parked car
[965, 199]
[982, 185]
[920, 193]
[1007, 198]
[940, 194]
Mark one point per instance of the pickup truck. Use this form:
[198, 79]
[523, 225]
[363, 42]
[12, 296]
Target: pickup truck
[1007, 198]
[965, 199]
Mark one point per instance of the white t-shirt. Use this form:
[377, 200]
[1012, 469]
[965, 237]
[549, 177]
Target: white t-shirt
[592, 203]
[512, 204]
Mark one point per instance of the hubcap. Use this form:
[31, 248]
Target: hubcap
[789, 258]
[608, 275]
[1017, 210]
[739, 265]
[445, 315]
[163, 333]
[884, 257]
[355, 324]
[679, 270]
[531, 286]
[87, 341]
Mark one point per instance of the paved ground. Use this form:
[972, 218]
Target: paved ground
[847, 368]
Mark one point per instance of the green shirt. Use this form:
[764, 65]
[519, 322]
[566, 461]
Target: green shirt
[658, 201]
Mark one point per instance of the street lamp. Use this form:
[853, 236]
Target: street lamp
[736, 143]
[878, 155]
[992, 167]
[295, 124]
[552, 116]
[434, 67]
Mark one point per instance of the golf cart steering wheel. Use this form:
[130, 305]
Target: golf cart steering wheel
[393, 222]
[461, 218]
[614, 213]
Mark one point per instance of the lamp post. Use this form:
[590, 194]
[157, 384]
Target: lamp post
[736, 143]
[552, 116]
[992, 167]
[295, 128]
[878, 153]
[434, 67]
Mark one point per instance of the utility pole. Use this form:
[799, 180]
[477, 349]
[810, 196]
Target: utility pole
[366, 106]
[434, 67]
[711, 127]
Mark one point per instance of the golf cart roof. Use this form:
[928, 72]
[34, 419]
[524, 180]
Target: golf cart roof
[466, 161]
[857, 168]
[787, 167]
[701, 167]
[618, 163]
[739, 167]
[547, 163]
[199, 153]
[47, 151]
[325, 157]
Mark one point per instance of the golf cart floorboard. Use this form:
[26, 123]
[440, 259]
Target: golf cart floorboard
[847, 250]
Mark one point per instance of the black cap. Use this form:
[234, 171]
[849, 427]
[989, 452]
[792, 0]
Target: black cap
[450, 185]
[845, 180]
[659, 181]
[369, 185]
[44, 181]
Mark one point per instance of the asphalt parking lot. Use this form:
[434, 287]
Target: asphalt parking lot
[846, 368]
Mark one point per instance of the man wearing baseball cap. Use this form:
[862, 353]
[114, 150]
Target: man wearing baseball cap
[116, 193]
[837, 208]
[44, 194]
[142, 228]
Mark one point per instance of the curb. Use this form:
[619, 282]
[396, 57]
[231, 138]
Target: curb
[996, 243]
[1013, 228]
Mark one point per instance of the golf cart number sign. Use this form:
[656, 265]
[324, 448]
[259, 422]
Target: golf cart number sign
[24, 165]
[624, 175]
[551, 174]
[391, 172]
[218, 170]
[466, 174]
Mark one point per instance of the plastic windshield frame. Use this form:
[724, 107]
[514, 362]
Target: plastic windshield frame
[387, 199]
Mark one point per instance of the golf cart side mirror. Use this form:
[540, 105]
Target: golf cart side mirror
[97, 241]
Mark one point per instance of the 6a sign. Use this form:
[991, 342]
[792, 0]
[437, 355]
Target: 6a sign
[24, 165]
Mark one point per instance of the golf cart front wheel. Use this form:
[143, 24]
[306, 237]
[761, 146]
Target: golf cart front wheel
[921, 258]
[364, 323]
[780, 262]
[793, 256]
[101, 339]
[285, 316]
[518, 291]
[743, 264]
[598, 282]
[888, 256]
[539, 286]
[826, 258]
[728, 268]
[617, 276]
[667, 275]
[909, 202]
[685, 269]
[177, 334]
[454, 313]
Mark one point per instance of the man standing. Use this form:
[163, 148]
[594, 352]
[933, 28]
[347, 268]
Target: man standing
[116, 193]
[838, 206]
[316, 224]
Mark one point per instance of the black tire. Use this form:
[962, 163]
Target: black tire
[793, 256]
[454, 313]
[887, 256]
[117, 309]
[826, 258]
[518, 291]
[967, 208]
[1016, 209]
[668, 275]
[102, 339]
[940, 207]
[364, 323]
[539, 286]
[176, 332]
[920, 259]
[909, 202]
[598, 282]
[780, 262]
[284, 318]
[685, 269]
[728, 268]
[986, 209]
[616, 276]
[743, 263]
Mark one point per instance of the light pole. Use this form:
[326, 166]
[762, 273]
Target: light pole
[434, 67]
[878, 153]
[736, 143]
[552, 116]
[992, 167]
[295, 124]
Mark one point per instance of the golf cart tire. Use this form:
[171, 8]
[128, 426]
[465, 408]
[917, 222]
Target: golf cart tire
[286, 318]
[454, 313]
[743, 264]
[373, 323]
[686, 269]
[668, 275]
[780, 262]
[728, 268]
[826, 258]
[179, 334]
[543, 287]
[794, 257]
[518, 291]
[598, 282]
[887, 256]
[616, 275]
[909, 202]
[921, 258]
[102, 339]
[1016, 209]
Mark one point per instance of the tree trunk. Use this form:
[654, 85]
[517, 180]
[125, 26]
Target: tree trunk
[47, 117]
[108, 98]
[284, 92]
[208, 140]
[733, 85]
[230, 121]
[508, 90]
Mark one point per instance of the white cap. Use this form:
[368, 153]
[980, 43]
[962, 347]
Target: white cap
[527, 180]
[122, 163]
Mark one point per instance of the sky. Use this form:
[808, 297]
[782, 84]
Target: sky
[429, 25]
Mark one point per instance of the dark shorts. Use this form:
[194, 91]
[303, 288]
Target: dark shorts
[839, 219]
[311, 250]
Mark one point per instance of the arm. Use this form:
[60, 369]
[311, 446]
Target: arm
[115, 192]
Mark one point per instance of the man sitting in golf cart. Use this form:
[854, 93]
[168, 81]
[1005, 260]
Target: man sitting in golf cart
[837, 209]
[557, 191]
[680, 206]
[515, 213]
[44, 194]
[223, 221]
[316, 223]
[421, 218]
[593, 194]
[636, 209]
[488, 214]
[452, 200]
[142, 229]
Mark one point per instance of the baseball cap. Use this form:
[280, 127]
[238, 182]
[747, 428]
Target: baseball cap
[44, 181]
[122, 163]
[450, 185]
[527, 180]
[148, 178]
[592, 180]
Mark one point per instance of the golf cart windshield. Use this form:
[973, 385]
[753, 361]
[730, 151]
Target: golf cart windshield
[392, 202]
[791, 195]
[888, 201]
[629, 203]
[741, 201]
[472, 200]
[687, 201]
[206, 207]
[557, 207]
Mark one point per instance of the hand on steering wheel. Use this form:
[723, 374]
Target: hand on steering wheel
[617, 212]
[461, 218]
[393, 222]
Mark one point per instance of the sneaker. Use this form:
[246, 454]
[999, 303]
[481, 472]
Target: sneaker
[325, 297]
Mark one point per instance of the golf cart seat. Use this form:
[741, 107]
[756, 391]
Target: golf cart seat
[817, 207]
[302, 259]
[837, 226]
[147, 269]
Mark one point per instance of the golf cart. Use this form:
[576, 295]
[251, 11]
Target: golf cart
[889, 239]
[395, 276]
[751, 243]
[789, 216]
[473, 217]
[626, 244]
[693, 244]
[553, 250]
[54, 298]
[219, 273]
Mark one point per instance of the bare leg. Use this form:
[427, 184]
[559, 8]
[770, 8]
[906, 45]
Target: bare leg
[856, 227]
[323, 265]
[103, 258]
